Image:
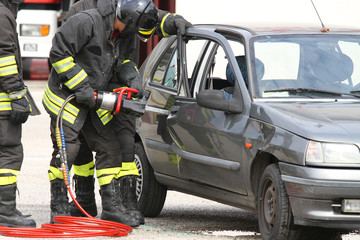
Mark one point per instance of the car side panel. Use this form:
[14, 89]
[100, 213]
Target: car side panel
[210, 145]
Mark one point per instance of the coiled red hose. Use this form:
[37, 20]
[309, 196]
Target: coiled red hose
[71, 227]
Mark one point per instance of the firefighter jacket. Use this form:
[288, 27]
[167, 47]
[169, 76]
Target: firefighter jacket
[83, 52]
[10, 59]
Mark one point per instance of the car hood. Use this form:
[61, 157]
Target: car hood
[330, 121]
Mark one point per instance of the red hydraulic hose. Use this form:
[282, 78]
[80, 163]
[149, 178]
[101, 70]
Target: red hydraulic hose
[121, 92]
[69, 227]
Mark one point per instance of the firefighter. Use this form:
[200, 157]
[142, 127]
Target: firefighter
[83, 55]
[14, 111]
[126, 75]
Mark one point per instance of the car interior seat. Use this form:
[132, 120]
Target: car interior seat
[243, 69]
[332, 67]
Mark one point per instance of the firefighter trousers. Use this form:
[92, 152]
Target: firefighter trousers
[11, 151]
[104, 144]
[123, 125]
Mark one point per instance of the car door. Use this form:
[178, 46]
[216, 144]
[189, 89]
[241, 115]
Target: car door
[209, 144]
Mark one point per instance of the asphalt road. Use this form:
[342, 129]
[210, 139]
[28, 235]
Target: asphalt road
[183, 216]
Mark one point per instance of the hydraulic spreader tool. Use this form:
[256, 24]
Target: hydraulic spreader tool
[120, 100]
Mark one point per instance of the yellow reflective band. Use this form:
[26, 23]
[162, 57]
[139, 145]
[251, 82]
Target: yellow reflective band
[59, 101]
[10, 178]
[106, 175]
[149, 32]
[55, 173]
[7, 180]
[4, 97]
[100, 112]
[85, 170]
[105, 180]
[7, 170]
[128, 168]
[6, 61]
[29, 104]
[162, 26]
[53, 103]
[76, 79]
[104, 115]
[108, 171]
[55, 109]
[17, 94]
[5, 106]
[10, 70]
[125, 61]
[63, 65]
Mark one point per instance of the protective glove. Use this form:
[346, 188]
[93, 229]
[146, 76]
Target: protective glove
[85, 95]
[20, 106]
[128, 75]
[20, 110]
[136, 84]
[174, 22]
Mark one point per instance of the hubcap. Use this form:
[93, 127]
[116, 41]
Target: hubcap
[270, 204]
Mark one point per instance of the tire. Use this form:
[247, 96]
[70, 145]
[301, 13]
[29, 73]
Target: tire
[151, 194]
[273, 207]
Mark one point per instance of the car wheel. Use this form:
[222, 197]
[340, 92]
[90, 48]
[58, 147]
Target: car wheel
[273, 207]
[151, 194]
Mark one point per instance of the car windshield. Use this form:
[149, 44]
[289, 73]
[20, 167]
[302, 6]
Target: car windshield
[313, 66]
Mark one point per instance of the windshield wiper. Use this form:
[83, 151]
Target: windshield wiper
[312, 90]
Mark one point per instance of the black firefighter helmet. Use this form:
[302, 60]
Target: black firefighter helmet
[140, 17]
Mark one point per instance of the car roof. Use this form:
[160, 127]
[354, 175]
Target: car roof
[265, 28]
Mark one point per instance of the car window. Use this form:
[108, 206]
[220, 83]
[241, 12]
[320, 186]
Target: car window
[352, 50]
[165, 71]
[311, 66]
[170, 78]
[281, 60]
[208, 68]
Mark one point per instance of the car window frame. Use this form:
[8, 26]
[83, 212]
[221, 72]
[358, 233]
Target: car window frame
[222, 41]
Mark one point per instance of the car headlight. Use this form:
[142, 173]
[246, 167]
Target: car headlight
[332, 154]
[34, 30]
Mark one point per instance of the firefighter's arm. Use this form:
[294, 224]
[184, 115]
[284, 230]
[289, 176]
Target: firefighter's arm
[170, 23]
[67, 42]
[9, 68]
[10, 77]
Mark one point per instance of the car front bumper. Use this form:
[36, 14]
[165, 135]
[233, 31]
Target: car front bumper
[316, 195]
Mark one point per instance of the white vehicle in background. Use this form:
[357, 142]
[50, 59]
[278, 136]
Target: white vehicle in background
[37, 22]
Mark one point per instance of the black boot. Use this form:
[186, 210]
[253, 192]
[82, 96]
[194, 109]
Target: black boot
[84, 190]
[59, 204]
[129, 198]
[9, 215]
[111, 204]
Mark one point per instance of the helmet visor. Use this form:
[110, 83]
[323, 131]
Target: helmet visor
[145, 34]
[147, 23]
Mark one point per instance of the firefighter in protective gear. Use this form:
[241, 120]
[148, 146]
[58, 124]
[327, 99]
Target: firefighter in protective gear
[14, 110]
[127, 75]
[83, 55]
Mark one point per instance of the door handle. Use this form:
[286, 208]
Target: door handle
[174, 109]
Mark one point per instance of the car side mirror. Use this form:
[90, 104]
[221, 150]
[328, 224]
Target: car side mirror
[215, 99]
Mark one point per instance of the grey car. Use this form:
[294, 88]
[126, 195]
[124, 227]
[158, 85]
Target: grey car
[262, 118]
